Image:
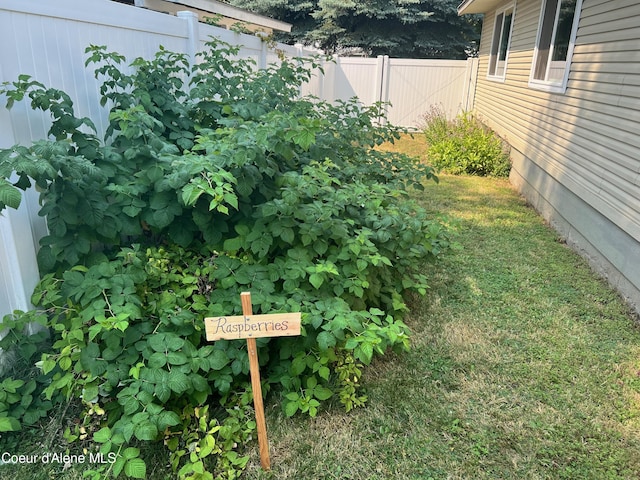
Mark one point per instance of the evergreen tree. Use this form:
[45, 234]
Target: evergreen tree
[398, 28]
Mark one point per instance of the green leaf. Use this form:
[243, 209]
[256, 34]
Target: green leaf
[312, 382]
[242, 229]
[191, 193]
[351, 343]
[304, 138]
[9, 424]
[10, 196]
[136, 468]
[162, 391]
[176, 358]
[157, 360]
[364, 353]
[131, 452]
[322, 393]
[118, 465]
[178, 381]
[287, 235]
[320, 247]
[316, 280]
[11, 385]
[32, 417]
[162, 218]
[130, 405]
[103, 435]
[200, 383]
[298, 365]
[154, 173]
[218, 360]
[131, 211]
[48, 365]
[290, 409]
[94, 330]
[127, 431]
[269, 209]
[146, 431]
[90, 393]
[174, 342]
[168, 419]
[162, 342]
[324, 372]
[261, 245]
[233, 244]
[326, 340]
[231, 199]
[65, 363]
[293, 396]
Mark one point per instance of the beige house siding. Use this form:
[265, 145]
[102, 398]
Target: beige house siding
[576, 155]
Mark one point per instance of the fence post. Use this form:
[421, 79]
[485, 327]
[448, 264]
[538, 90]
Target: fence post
[469, 90]
[298, 47]
[381, 91]
[328, 79]
[378, 77]
[264, 51]
[193, 34]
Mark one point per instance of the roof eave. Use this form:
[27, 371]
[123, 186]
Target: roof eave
[224, 9]
[477, 6]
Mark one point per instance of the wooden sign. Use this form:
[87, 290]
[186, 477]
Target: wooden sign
[251, 326]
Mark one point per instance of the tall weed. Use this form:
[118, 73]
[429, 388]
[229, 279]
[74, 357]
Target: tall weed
[464, 145]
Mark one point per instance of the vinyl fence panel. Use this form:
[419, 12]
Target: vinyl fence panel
[358, 77]
[411, 87]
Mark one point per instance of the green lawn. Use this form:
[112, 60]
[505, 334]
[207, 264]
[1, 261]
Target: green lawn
[524, 365]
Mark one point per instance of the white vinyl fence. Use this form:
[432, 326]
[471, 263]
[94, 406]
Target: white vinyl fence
[411, 87]
[46, 39]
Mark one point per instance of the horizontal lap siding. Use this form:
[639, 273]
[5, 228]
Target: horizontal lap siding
[586, 138]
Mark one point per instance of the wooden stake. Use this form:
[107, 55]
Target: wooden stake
[251, 326]
[254, 367]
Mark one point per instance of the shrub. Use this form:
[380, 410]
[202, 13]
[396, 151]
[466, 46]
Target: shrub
[464, 146]
[198, 192]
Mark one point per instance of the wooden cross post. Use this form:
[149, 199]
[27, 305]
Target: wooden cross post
[251, 326]
[254, 368]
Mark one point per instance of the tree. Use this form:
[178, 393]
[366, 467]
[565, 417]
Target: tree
[398, 28]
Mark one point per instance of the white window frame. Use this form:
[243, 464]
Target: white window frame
[554, 86]
[494, 53]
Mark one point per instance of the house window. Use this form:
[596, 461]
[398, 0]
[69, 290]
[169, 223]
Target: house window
[554, 47]
[500, 44]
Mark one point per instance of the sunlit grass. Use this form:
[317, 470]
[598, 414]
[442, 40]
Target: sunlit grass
[410, 144]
